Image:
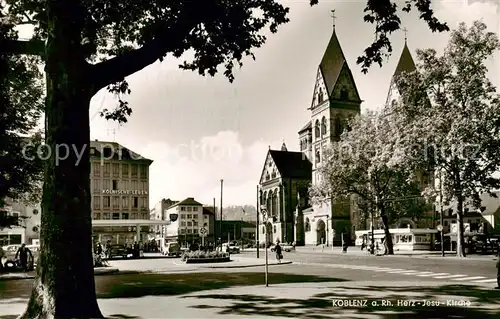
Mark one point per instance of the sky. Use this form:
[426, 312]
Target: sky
[199, 130]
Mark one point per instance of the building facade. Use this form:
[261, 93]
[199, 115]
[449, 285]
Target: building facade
[120, 191]
[28, 232]
[159, 212]
[185, 220]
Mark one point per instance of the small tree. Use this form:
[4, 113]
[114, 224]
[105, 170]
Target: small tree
[21, 106]
[448, 117]
[358, 165]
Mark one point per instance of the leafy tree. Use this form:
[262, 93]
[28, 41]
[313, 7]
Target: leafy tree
[21, 100]
[448, 117]
[88, 45]
[358, 166]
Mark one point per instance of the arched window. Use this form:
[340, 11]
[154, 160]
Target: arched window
[273, 174]
[316, 129]
[268, 203]
[263, 229]
[320, 95]
[344, 94]
[338, 127]
[307, 225]
[275, 202]
[323, 126]
[318, 157]
[274, 228]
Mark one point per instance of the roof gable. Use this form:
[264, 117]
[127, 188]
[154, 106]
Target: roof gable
[346, 82]
[113, 150]
[270, 170]
[406, 63]
[187, 202]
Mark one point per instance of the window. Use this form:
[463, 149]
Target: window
[188, 209]
[35, 211]
[189, 216]
[183, 223]
[206, 217]
[195, 209]
[106, 201]
[263, 229]
[107, 169]
[144, 171]
[144, 202]
[183, 216]
[183, 231]
[124, 215]
[135, 185]
[307, 225]
[124, 170]
[446, 223]
[116, 216]
[144, 186]
[183, 209]
[274, 228]
[133, 169]
[106, 184]
[97, 168]
[116, 202]
[97, 185]
[106, 216]
[125, 202]
[97, 215]
[323, 126]
[35, 229]
[190, 224]
[195, 223]
[116, 169]
[136, 202]
[320, 95]
[145, 216]
[344, 94]
[134, 215]
[189, 231]
[318, 157]
[273, 174]
[115, 185]
[97, 202]
[316, 129]
[338, 126]
[124, 185]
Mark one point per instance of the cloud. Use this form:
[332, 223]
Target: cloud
[194, 169]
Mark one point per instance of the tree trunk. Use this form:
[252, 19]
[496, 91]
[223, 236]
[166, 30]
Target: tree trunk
[64, 286]
[388, 236]
[460, 222]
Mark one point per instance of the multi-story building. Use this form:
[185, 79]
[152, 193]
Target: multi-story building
[158, 212]
[28, 231]
[185, 219]
[120, 191]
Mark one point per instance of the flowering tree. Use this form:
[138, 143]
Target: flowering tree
[358, 165]
[448, 117]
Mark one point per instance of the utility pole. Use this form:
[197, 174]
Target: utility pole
[215, 226]
[441, 211]
[220, 222]
[257, 225]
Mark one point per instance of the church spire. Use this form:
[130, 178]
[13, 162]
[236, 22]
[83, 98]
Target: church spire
[406, 63]
[283, 147]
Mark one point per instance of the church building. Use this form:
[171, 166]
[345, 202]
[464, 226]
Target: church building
[287, 176]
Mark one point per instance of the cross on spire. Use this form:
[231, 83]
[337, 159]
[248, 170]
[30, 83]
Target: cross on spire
[333, 17]
[405, 30]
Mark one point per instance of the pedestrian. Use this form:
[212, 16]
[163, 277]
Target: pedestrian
[136, 250]
[345, 243]
[2, 255]
[23, 252]
[98, 249]
[278, 251]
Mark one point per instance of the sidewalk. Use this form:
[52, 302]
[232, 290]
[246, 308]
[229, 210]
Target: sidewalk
[31, 275]
[354, 299]
[356, 251]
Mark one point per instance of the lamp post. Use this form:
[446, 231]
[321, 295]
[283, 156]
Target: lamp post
[265, 216]
[220, 221]
[441, 210]
[259, 199]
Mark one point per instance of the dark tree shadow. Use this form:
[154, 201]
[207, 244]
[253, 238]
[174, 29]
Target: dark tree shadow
[484, 303]
[134, 286]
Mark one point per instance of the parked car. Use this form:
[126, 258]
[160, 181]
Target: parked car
[231, 248]
[172, 249]
[118, 251]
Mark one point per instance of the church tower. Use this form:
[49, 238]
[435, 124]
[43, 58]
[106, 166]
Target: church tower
[405, 64]
[335, 100]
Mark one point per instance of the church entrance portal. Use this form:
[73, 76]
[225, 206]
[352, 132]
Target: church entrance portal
[320, 232]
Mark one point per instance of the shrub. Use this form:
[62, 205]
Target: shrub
[202, 254]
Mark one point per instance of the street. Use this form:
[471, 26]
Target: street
[315, 285]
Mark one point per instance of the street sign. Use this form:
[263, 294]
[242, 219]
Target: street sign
[439, 227]
[203, 231]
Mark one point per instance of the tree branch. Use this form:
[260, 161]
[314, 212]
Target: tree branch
[15, 47]
[117, 68]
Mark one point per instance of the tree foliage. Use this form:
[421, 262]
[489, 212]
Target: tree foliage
[357, 166]
[128, 35]
[448, 117]
[21, 100]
